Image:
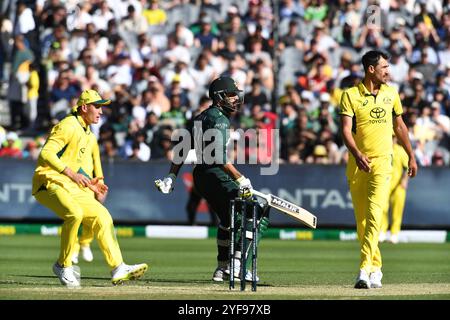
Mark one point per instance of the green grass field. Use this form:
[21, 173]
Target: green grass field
[182, 269]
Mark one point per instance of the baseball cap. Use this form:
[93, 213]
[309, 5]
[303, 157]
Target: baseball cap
[307, 95]
[233, 10]
[418, 76]
[12, 136]
[435, 105]
[319, 25]
[325, 97]
[92, 97]
[206, 20]
[400, 21]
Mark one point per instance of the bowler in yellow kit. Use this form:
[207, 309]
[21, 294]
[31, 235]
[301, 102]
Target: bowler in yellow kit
[62, 183]
[369, 111]
[397, 195]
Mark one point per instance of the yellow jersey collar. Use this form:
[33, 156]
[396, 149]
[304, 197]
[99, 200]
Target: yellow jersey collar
[363, 90]
[83, 124]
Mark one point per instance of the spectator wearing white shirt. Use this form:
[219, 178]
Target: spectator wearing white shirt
[102, 16]
[184, 36]
[25, 19]
[325, 42]
[422, 154]
[430, 52]
[176, 52]
[202, 73]
[218, 64]
[256, 53]
[26, 26]
[91, 78]
[239, 75]
[441, 121]
[444, 54]
[141, 52]
[120, 7]
[399, 67]
[99, 46]
[136, 148]
[139, 114]
[181, 74]
[120, 72]
[133, 22]
[80, 17]
[154, 99]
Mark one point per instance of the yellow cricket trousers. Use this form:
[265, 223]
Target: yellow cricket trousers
[76, 206]
[396, 205]
[370, 192]
[87, 235]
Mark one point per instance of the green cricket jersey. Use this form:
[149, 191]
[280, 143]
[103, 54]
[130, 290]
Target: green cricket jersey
[215, 127]
[209, 178]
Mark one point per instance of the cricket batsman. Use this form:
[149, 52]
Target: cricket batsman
[61, 183]
[219, 182]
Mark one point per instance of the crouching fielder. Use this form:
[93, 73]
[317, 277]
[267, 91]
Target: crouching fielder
[62, 182]
[218, 182]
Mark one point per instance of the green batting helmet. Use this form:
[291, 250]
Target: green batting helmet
[220, 91]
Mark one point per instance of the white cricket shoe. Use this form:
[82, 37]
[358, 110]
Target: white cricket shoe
[75, 258]
[249, 276]
[382, 237]
[237, 273]
[125, 272]
[237, 269]
[362, 281]
[394, 238]
[219, 275]
[86, 253]
[375, 279]
[67, 275]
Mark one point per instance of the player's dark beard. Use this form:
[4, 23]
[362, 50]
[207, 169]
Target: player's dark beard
[229, 107]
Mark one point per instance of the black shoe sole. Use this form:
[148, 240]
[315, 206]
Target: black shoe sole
[361, 285]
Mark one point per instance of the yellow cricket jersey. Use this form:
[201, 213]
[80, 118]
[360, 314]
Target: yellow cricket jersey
[155, 17]
[399, 164]
[33, 82]
[372, 117]
[70, 144]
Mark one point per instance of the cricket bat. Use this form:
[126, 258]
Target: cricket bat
[289, 208]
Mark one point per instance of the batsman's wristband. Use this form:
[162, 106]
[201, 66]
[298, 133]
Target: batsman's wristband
[240, 179]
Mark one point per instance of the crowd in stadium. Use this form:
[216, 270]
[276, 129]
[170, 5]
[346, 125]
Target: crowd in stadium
[154, 60]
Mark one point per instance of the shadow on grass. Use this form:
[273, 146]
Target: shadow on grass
[192, 281]
[145, 281]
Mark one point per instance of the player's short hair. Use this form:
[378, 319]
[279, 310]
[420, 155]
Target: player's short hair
[372, 57]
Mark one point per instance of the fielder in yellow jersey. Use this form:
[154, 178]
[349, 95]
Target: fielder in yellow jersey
[61, 183]
[397, 195]
[369, 111]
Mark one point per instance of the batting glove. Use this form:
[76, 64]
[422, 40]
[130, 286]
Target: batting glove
[263, 225]
[165, 186]
[245, 187]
